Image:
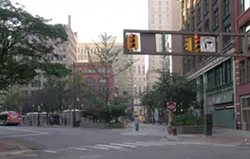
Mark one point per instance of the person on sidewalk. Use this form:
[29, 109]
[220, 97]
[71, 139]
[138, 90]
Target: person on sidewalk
[137, 123]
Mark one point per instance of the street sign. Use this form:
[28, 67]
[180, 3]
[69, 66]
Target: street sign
[171, 106]
[207, 44]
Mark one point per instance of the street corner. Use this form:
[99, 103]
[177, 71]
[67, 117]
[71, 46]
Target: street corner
[10, 148]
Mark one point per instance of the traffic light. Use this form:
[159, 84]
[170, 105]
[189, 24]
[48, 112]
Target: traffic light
[188, 44]
[132, 42]
[196, 43]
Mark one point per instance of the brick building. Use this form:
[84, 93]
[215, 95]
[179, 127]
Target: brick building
[215, 72]
[95, 80]
[242, 68]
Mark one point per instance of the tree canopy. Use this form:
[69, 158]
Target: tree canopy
[172, 87]
[25, 42]
[106, 55]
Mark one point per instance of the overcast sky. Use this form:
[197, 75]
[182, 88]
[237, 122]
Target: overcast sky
[92, 17]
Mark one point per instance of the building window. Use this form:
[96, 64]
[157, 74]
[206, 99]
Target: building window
[207, 25]
[242, 71]
[159, 9]
[228, 72]
[227, 8]
[167, 9]
[206, 5]
[159, 16]
[189, 65]
[199, 14]
[159, 2]
[215, 18]
[90, 80]
[103, 80]
[248, 68]
[244, 5]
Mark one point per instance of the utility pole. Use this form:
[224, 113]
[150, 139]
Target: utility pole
[74, 95]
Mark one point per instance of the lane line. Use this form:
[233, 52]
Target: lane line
[23, 135]
[101, 148]
[123, 145]
[78, 148]
[23, 130]
[50, 151]
[137, 144]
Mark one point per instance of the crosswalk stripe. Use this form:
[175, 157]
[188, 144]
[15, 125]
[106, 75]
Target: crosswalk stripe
[50, 151]
[78, 148]
[101, 148]
[112, 147]
[137, 144]
[123, 145]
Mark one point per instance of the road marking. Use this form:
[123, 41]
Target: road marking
[23, 130]
[91, 156]
[50, 151]
[112, 147]
[153, 143]
[101, 148]
[78, 148]
[137, 144]
[23, 135]
[115, 144]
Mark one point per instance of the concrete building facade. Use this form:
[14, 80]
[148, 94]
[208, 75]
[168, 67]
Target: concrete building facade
[94, 80]
[67, 53]
[122, 81]
[242, 65]
[138, 78]
[215, 74]
[163, 15]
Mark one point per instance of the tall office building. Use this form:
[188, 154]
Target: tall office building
[162, 15]
[215, 72]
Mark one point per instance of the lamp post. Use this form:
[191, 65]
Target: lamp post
[74, 94]
[38, 115]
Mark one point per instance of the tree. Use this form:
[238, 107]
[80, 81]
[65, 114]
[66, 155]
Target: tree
[107, 55]
[25, 42]
[177, 88]
[172, 87]
[11, 99]
[86, 96]
[151, 100]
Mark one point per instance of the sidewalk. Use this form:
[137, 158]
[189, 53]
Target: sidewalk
[220, 135]
[9, 149]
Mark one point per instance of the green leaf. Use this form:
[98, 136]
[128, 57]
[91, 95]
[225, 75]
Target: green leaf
[25, 43]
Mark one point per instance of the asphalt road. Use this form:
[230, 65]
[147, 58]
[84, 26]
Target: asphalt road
[77, 143]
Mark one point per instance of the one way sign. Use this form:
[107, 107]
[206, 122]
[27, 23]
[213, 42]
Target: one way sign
[207, 44]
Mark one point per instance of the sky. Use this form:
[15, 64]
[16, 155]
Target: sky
[90, 18]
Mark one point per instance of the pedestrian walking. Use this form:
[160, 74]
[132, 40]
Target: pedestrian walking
[137, 123]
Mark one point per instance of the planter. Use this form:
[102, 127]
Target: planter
[188, 129]
[102, 125]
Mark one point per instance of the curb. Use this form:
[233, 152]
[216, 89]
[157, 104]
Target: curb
[17, 152]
